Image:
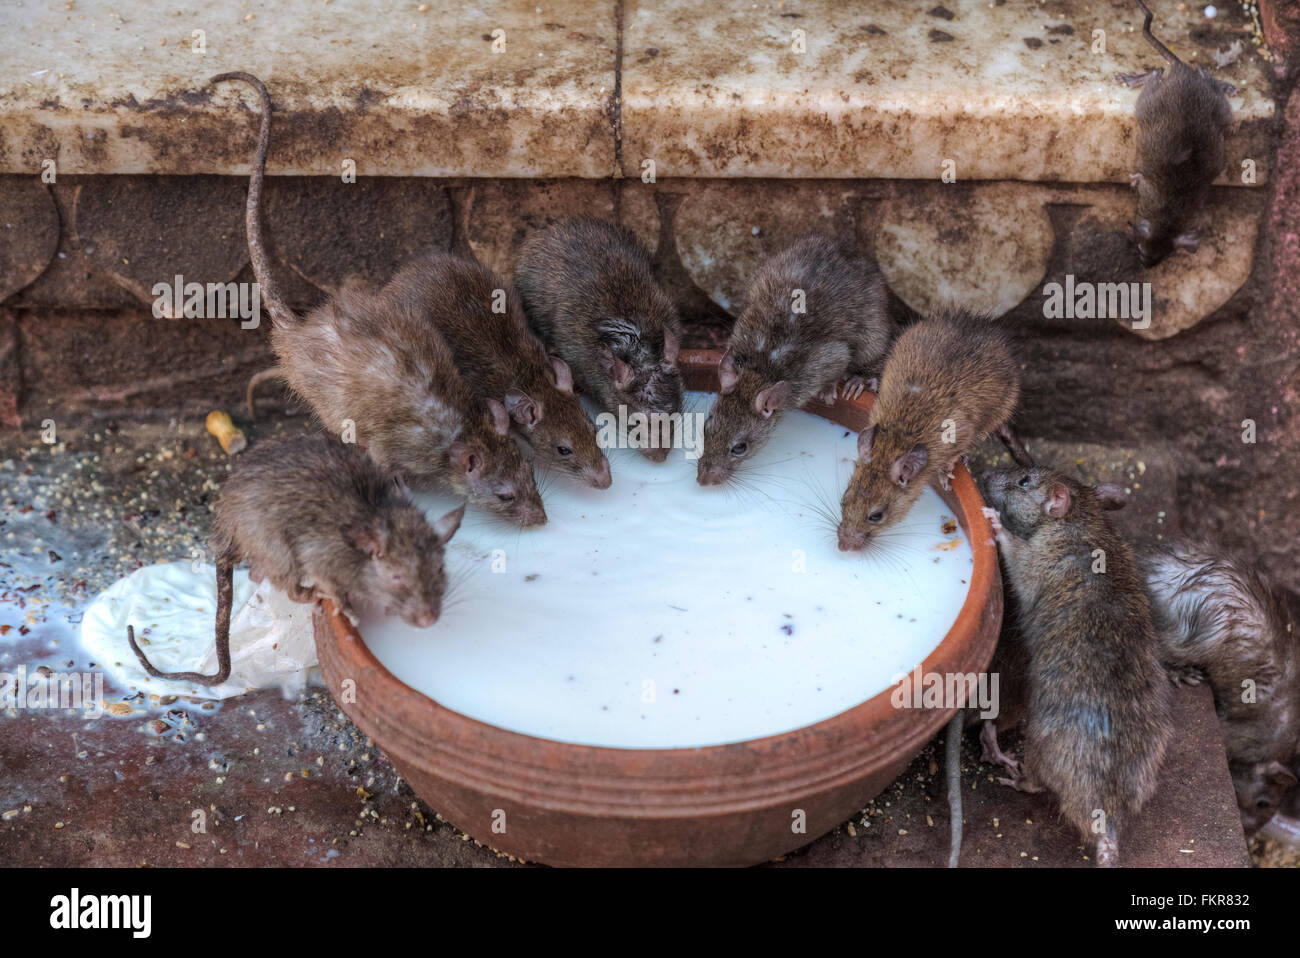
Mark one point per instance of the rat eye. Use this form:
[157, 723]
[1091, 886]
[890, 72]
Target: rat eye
[739, 449]
[505, 497]
[1024, 482]
[876, 516]
[1263, 803]
[564, 450]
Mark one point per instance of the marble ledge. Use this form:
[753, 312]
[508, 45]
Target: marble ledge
[1006, 89]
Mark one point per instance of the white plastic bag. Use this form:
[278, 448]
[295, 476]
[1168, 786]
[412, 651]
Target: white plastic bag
[174, 608]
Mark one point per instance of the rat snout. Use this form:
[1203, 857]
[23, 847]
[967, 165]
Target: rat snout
[852, 540]
[712, 475]
[658, 454]
[599, 476]
[531, 516]
[424, 618]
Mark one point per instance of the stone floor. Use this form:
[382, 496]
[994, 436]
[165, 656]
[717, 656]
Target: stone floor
[279, 781]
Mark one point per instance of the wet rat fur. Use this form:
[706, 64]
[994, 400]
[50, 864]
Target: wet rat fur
[1218, 620]
[373, 360]
[320, 519]
[1183, 122]
[784, 352]
[500, 358]
[955, 369]
[1099, 700]
[589, 293]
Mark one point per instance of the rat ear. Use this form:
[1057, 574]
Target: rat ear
[672, 346]
[1057, 503]
[1111, 495]
[465, 459]
[909, 465]
[369, 539]
[617, 370]
[1276, 773]
[728, 374]
[563, 375]
[500, 418]
[1142, 229]
[771, 398]
[523, 408]
[446, 527]
[1187, 241]
[865, 439]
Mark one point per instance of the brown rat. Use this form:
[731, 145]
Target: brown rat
[499, 358]
[369, 361]
[1183, 122]
[812, 317]
[321, 520]
[590, 294]
[1217, 619]
[1099, 701]
[949, 381]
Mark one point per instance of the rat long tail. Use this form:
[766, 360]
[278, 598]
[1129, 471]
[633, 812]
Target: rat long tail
[1146, 32]
[280, 312]
[952, 764]
[266, 375]
[1014, 446]
[225, 598]
[1108, 848]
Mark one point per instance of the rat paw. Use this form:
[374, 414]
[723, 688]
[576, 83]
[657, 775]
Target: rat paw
[1187, 675]
[853, 387]
[1134, 180]
[992, 753]
[828, 394]
[1135, 80]
[1021, 783]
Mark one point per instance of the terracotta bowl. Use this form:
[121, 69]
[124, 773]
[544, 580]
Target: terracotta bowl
[721, 805]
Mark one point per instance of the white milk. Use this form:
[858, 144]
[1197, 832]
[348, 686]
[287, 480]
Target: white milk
[662, 614]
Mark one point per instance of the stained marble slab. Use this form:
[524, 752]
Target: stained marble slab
[1002, 89]
[402, 89]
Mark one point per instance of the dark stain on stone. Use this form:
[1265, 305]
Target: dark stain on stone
[942, 12]
[938, 36]
[872, 29]
[1063, 29]
[1033, 43]
[366, 97]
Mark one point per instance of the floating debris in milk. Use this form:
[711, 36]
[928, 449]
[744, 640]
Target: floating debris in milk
[662, 614]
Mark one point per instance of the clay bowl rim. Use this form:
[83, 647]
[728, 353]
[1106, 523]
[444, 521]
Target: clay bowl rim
[655, 784]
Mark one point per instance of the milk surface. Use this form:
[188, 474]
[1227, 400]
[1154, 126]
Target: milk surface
[662, 614]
